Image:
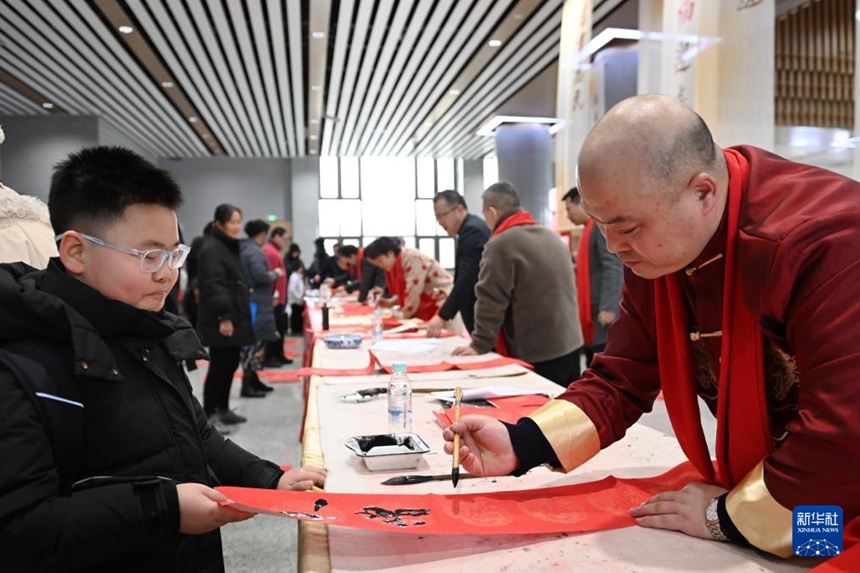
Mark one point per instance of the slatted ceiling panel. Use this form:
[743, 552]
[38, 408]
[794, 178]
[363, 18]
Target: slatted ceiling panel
[353, 64]
[360, 95]
[408, 76]
[252, 66]
[336, 71]
[505, 86]
[410, 54]
[478, 102]
[437, 51]
[228, 122]
[101, 42]
[190, 79]
[286, 129]
[239, 74]
[244, 69]
[114, 80]
[296, 59]
[50, 52]
[381, 71]
[470, 38]
[386, 72]
[13, 103]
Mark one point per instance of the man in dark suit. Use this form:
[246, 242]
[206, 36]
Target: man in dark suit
[472, 234]
[599, 275]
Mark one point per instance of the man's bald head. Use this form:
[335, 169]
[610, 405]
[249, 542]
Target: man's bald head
[655, 139]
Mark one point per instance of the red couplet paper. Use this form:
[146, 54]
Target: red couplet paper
[353, 309]
[444, 365]
[593, 506]
[508, 409]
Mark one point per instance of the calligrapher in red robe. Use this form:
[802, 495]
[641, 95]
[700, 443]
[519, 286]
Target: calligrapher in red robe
[761, 321]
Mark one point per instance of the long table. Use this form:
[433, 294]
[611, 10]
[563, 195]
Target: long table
[643, 452]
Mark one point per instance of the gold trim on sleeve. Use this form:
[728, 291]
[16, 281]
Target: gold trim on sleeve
[758, 516]
[570, 432]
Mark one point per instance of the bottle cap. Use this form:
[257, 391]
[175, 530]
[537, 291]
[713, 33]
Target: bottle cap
[377, 312]
[399, 366]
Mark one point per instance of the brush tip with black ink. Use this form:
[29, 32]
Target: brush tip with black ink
[455, 476]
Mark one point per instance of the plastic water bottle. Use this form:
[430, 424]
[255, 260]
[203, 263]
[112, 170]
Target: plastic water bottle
[325, 292]
[376, 326]
[399, 400]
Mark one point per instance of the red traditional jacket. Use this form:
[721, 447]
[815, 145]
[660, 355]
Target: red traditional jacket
[798, 258]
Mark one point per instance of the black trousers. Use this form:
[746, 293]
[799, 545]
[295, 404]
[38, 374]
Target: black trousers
[276, 347]
[216, 389]
[562, 370]
[297, 321]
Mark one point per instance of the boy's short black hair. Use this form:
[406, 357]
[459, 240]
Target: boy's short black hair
[93, 187]
[348, 251]
[381, 246]
[256, 226]
[277, 232]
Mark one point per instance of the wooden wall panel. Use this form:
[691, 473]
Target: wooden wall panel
[815, 65]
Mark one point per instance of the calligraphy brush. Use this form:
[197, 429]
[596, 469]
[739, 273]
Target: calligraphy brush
[413, 479]
[455, 466]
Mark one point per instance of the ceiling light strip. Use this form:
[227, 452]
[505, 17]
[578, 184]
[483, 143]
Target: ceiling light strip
[320, 13]
[341, 44]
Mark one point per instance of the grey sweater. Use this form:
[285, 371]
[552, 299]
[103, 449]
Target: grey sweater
[526, 283]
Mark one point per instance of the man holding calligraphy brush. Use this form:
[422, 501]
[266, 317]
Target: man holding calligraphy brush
[740, 289]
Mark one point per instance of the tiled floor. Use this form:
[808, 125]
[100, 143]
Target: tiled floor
[268, 544]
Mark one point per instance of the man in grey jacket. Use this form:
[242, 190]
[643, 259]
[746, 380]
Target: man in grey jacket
[526, 294]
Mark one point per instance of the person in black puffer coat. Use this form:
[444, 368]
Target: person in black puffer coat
[108, 462]
[224, 314]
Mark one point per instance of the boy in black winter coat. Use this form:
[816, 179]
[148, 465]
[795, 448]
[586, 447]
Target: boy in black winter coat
[108, 461]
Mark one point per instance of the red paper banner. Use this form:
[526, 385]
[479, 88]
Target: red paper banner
[444, 366]
[508, 409]
[593, 506]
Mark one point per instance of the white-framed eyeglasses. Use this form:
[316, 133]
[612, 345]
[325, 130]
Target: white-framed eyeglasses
[151, 260]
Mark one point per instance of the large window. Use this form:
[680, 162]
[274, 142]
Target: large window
[361, 199]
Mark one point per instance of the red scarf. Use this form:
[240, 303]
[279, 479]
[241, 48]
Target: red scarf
[395, 281]
[354, 270]
[743, 429]
[516, 220]
[583, 285]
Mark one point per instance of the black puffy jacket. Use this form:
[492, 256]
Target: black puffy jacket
[97, 426]
[224, 292]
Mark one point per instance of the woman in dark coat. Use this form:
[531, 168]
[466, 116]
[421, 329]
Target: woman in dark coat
[224, 314]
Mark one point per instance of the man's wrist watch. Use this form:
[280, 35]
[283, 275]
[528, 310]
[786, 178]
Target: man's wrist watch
[712, 520]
